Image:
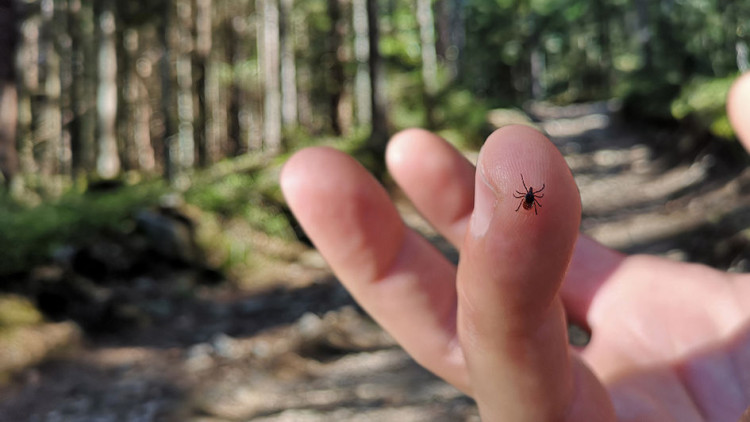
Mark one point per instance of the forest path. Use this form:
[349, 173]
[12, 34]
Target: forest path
[303, 352]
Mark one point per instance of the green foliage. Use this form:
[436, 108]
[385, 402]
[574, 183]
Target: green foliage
[400, 44]
[648, 96]
[31, 234]
[252, 195]
[704, 99]
[461, 118]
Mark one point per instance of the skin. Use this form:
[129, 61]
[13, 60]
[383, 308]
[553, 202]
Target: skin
[670, 341]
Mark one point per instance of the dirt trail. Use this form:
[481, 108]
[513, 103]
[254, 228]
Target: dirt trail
[304, 352]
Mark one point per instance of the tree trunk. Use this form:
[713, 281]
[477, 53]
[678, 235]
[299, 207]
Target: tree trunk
[170, 170]
[602, 18]
[83, 91]
[450, 33]
[207, 101]
[304, 92]
[271, 83]
[538, 69]
[65, 52]
[108, 161]
[643, 33]
[743, 64]
[362, 86]
[335, 75]
[49, 130]
[426, 21]
[8, 92]
[379, 134]
[289, 111]
[184, 71]
[140, 152]
[233, 142]
[28, 81]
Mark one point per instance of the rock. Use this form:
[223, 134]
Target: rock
[224, 346]
[28, 345]
[310, 326]
[199, 357]
[169, 234]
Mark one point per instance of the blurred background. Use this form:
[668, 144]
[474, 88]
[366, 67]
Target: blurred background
[149, 267]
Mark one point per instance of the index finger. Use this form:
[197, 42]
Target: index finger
[738, 108]
[436, 178]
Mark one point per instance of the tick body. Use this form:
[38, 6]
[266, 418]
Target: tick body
[528, 197]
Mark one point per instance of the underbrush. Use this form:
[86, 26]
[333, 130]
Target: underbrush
[243, 191]
[31, 234]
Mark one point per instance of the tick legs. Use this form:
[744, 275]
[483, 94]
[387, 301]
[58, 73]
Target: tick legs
[535, 204]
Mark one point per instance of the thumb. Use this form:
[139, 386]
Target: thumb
[511, 322]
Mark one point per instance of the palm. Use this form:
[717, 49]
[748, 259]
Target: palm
[669, 341]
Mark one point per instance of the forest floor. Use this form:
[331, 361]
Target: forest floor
[294, 347]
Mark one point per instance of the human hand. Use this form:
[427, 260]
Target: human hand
[670, 341]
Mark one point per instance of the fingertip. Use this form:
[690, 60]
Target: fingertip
[516, 158]
[436, 177]
[296, 171]
[344, 210]
[526, 244]
[738, 108]
[402, 143]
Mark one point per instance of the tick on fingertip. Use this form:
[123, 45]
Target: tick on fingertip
[528, 197]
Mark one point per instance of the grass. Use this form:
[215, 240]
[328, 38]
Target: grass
[239, 192]
[31, 234]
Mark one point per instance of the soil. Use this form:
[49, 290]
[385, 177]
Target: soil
[294, 346]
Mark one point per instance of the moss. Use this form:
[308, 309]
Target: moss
[17, 311]
[32, 233]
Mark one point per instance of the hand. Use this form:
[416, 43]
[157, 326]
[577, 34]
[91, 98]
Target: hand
[670, 341]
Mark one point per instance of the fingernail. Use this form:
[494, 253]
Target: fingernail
[484, 205]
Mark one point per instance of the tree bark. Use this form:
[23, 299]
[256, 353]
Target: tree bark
[168, 152]
[108, 161]
[362, 87]
[8, 92]
[426, 21]
[205, 141]
[184, 71]
[28, 82]
[63, 46]
[379, 134]
[335, 75]
[233, 142]
[138, 108]
[644, 33]
[304, 92]
[538, 67]
[49, 129]
[83, 90]
[271, 83]
[289, 110]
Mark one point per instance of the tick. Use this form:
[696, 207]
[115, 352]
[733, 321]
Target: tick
[528, 197]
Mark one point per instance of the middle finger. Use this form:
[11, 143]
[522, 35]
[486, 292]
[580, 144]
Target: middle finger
[437, 179]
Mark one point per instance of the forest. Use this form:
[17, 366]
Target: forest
[97, 89]
[141, 144]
